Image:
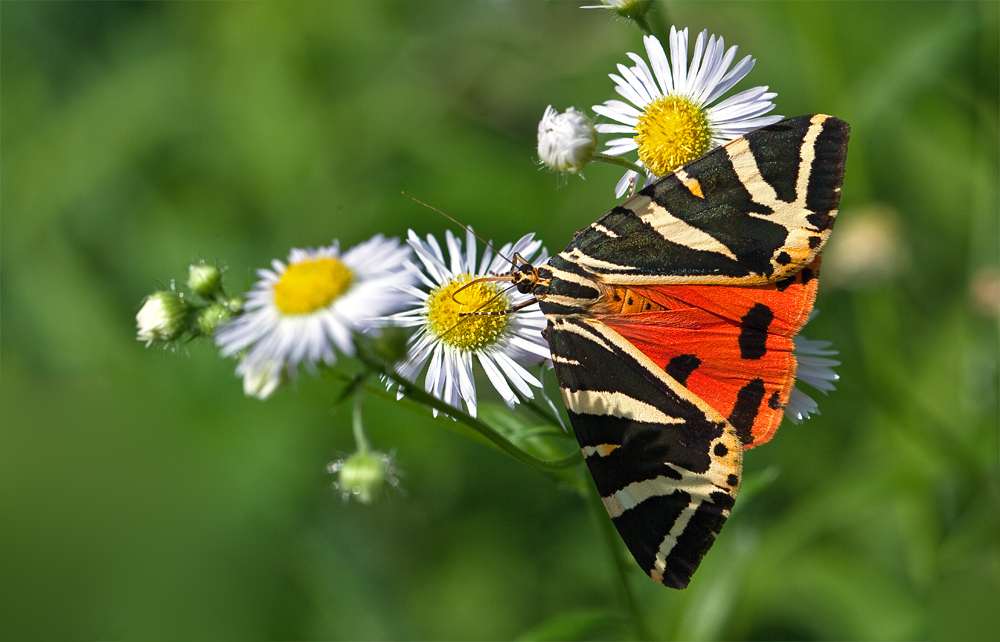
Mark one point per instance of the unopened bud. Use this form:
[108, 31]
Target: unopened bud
[212, 317]
[161, 317]
[363, 475]
[566, 141]
[204, 280]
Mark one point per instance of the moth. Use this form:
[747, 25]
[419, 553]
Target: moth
[670, 322]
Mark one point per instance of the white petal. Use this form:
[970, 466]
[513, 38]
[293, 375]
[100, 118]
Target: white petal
[658, 61]
[470, 250]
[643, 73]
[517, 375]
[497, 380]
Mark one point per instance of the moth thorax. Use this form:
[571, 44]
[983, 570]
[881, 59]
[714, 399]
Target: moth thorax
[618, 299]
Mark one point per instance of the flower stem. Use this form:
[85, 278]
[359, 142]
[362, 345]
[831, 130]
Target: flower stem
[643, 24]
[482, 428]
[360, 438]
[611, 541]
[374, 364]
[621, 162]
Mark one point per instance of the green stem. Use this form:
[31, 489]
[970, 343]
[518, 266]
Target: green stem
[360, 438]
[482, 428]
[611, 541]
[662, 20]
[621, 162]
[644, 25]
[420, 397]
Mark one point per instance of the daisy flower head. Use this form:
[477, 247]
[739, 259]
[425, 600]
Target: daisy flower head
[566, 141]
[448, 337]
[301, 310]
[671, 119]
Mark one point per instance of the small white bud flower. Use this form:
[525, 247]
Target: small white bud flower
[161, 317]
[204, 280]
[566, 141]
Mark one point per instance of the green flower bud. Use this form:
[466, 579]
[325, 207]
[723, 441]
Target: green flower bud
[212, 317]
[363, 475]
[235, 305]
[204, 280]
[161, 317]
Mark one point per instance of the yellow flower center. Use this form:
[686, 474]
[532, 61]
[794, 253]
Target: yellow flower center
[311, 285]
[672, 130]
[446, 305]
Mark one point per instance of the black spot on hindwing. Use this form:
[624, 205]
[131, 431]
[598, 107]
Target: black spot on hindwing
[681, 367]
[753, 333]
[747, 407]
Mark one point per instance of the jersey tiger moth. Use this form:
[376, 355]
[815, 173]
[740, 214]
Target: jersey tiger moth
[670, 321]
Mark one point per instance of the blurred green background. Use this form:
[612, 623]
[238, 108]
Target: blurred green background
[144, 497]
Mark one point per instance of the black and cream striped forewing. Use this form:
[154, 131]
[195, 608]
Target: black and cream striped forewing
[754, 211]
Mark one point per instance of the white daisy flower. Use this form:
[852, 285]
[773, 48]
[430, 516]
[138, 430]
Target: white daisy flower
[566, 141]
[299, 312]
[816, 369]
[503, 343]
[669, 120]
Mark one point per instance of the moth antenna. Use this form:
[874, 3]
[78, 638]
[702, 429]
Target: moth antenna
[461, 225]
[482, 279]
[522, 304]
[477, 313]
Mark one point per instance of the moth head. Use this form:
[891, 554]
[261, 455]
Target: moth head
[524, 277]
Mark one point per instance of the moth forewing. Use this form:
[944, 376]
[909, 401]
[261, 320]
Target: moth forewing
[754, 211]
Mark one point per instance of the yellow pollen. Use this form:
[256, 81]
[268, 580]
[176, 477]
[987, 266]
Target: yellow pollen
[311, 285]
[469, 333]
[672, 131]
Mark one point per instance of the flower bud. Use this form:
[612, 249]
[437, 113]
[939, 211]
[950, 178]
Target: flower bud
[161, 317]
[210, 318]
[628, 9]
[204, 280]
[363, 475]
[566, 141]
